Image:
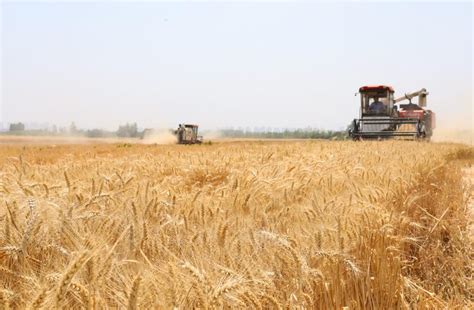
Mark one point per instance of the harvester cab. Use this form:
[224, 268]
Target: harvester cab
[376, 101]
[381, 118]
[188, 134]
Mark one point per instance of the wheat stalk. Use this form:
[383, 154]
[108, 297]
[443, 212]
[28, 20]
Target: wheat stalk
[67, 277]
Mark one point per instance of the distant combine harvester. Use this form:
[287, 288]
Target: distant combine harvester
[188, 134]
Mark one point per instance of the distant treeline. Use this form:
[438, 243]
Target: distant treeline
[123, 131]
[285, 134]
[131, 131]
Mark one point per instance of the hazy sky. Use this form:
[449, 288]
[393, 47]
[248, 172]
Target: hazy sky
[273, 64]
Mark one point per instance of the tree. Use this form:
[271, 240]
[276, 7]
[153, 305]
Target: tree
[128, 130]
[72, 128]
[95, 133]
[17, 127]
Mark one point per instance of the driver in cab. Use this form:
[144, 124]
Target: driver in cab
[377, 106]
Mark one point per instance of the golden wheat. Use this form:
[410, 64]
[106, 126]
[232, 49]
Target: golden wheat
[261, 225]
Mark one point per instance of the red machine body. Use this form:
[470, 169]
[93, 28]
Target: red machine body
[419, 114]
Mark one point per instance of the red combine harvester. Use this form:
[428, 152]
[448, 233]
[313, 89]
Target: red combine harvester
[381, 118]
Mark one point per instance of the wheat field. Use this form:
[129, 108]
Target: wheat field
[261, 225]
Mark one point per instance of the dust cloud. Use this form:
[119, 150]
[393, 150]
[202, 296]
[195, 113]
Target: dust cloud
[159, 136]
[455, 129]
[465, 136]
